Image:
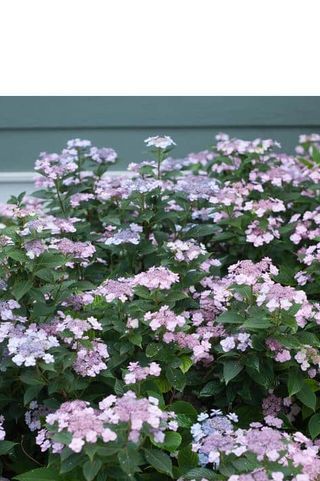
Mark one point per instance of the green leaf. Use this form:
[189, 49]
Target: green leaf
[31, 393]
[254, 323]
[230, 317]
[49, 260]
[70, 463]
[175, 296]
[295, 381]
[244, 464]
[39, 474]
[142, 291]
[90, 469]
[20, 288]
[162, 384]
[6, 447]
[307, 397]
[187, 459]
[186, 363]
[199, 473]
[230, 370]
[314, 425]
[316, 155]
[17, 255]
[171, 442]
[47, 275]
[159, 460]
[176, 378]
[153, 349]
[63, 437]
[202, 230]
[30, 377]
[184, 421]
[135, 338]
[211, 388]
[128, 459]
[183, 407]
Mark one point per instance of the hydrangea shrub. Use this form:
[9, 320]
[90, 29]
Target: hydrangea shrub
[163, 324]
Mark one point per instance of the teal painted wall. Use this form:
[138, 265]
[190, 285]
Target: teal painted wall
[29, 125]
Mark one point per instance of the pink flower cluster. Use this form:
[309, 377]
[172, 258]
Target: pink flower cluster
[280, 353]
[115, 289]
[263, 206]
[105, 155]
[34, 414]
[307, 226]
[86, 424]
[249, 273]
[215, 436]
[309, 255]
[78, 251]
[228, 146]
[131, 235]
[80, 420]
[139, 414]
[186, 251]
[55, 225]
[54, 167]
[240, 342]
[79, 198]
[7, 308]
[90, 359]
[258, 234]
[309, 359]
[275, 296]
[166, 318]
[34, 248]
[138, 373]
[28, 345]
[156, 278]
[197, 336]
[273, 405]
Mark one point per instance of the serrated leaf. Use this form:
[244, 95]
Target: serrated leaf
[63, 437]
[211, 388]
[176, 378]
[159, 461]
[39, 474]
[230, 370]
[187, 459]
[230, 317]
[183, 407]
[295, 381]
[128, 459]
[307, 397]
[185, 364]
[6, 447]
[202, 230]
[171, 442]
[31, 393]
[199, 473]
[30, 377]
[20, 288]
[314, 425]
[70, 463]
[90, 469]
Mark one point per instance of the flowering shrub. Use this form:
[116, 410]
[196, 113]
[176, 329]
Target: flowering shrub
[163, 324]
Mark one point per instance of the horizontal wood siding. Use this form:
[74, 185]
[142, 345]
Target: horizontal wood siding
[29, 125]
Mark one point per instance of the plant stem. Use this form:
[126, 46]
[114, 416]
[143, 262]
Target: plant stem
[60, 199]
